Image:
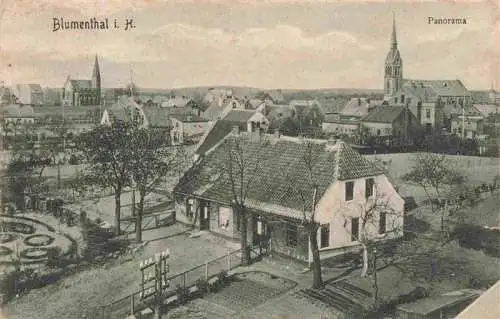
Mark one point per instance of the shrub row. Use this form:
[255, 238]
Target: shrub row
[478, 238]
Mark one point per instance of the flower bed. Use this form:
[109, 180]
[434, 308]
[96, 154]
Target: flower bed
[34, 253]
[38, 240]
[21, 228]
[6, 238]
[4, 251]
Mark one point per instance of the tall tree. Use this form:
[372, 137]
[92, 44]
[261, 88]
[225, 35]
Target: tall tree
[151, 161]
[108, 153]
[436, 174]
[240, 166]
[309, 159]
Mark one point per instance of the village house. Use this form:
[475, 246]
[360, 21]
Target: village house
[390, 121]
[29, 94]
[469, 123]
[338, 124]
[279, 192]
[124, 110]
[187, 127]
[243, 120]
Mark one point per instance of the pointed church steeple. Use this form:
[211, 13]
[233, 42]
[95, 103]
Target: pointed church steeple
[96, 81]
[394, 40]
[393, 73]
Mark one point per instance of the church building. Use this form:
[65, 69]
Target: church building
[83, 92]
[430, 101]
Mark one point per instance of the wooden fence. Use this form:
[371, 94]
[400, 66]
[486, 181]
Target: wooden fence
[134, 303]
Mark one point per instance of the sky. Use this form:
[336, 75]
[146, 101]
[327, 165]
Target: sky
[266, 44]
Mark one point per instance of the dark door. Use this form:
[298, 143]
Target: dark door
[204, 216]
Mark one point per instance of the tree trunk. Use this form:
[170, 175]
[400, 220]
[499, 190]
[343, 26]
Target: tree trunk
[365, 260]
[316, 262]
[245, 252]
[117, 211]
[375, 282]
[138, 219]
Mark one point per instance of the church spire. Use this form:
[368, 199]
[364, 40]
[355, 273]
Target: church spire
[96, 81]
[394, 41]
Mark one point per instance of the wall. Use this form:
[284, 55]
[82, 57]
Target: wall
[279, 242]
[339, 128]
[194, 128]
[333, 209]
[373, 128]
[218, 214]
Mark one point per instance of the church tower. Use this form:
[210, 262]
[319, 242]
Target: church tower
[393, 75]
[96, 81]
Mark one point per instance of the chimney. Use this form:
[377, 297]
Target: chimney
[236, 130]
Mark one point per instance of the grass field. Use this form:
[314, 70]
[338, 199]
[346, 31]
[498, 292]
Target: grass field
[477, 169]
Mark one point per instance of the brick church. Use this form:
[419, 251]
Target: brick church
[83, 92]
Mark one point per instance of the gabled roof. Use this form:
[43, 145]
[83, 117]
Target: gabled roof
[216, 133]
[239, 116]
[178, 101]
[384, 114]
[81, 84]
[487, 109]
[156, 116]
[440, 87]
[254, 103]
[276, 176]
[303, 102]
[356, 107]
[420, 93]
[188, 118]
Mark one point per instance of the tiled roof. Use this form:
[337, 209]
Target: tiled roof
[441, 87]
[188, 118]
[239, 116]
[254, 103]
[213, 111]
[276, 177]
[356, 107]
[487, 109]
[178, 101]
[81, 84]
[157, 117]
[384, 114]
[421, 93]
[216, 133]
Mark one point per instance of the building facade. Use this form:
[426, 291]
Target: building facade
[83, 92]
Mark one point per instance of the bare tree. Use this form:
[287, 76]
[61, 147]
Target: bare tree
[151, 161]
[309, 159]
[436, 174]
[377, 220]
[240, 166]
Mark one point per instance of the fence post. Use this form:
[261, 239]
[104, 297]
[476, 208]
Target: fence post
[229, 261]
[206, 270]
[184, 280]
[132, 310]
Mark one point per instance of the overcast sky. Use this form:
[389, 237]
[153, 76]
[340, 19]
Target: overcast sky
[266, 44]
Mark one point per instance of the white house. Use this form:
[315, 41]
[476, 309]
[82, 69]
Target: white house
[30, 94]
[187, 127]
[279, 191]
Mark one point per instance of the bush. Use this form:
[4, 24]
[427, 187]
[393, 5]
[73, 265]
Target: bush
[182, 294]
[479, 238]
[202, 285]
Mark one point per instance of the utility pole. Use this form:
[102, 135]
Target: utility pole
[155, 270]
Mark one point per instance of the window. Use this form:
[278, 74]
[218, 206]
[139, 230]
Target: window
[234, 105]
[379, 132]
[354, 228]
[349, 191]
[427, 113]
[369, 183]
[382, 223]
[325, 236]
[291, 235]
